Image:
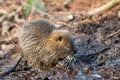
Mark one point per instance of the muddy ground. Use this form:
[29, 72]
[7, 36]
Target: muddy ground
[96, 38]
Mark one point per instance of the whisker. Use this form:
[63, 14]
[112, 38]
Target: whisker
[66, 61]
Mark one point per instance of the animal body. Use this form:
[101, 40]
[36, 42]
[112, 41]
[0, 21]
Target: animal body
[43, 45]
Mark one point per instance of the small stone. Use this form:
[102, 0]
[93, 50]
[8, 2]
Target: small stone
[119, 14]
[2, 55]
[7, 48]
[69, 18]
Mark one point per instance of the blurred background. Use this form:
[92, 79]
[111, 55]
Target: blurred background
[95, 25]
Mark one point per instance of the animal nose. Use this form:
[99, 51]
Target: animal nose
[74, 52]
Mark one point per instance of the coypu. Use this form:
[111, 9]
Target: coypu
[43, 45]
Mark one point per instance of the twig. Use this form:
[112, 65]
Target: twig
[8, 15]
[12, 68]
[111, 35]
[3, 11]
[29, 17]
[105, 7]
[18, 20]
[13, 13]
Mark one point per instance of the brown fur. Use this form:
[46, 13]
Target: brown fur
[43, 45]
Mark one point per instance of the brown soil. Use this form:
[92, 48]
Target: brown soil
[98, 53]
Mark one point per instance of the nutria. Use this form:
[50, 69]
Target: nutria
[43, 45]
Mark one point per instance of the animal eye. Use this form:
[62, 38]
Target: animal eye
[60, 38]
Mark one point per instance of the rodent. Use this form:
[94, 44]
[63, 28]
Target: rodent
[43, 45]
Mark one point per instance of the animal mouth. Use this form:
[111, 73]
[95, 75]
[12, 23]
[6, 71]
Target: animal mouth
[65, 62]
